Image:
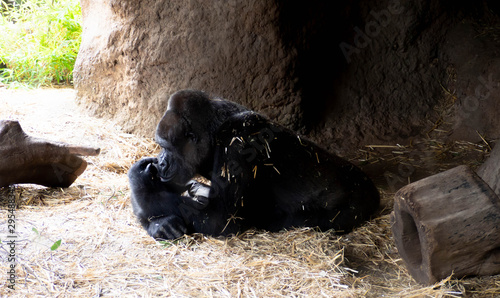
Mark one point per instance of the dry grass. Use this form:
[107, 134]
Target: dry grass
[104, 252]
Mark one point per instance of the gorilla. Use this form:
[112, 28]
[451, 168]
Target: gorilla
[261, 175]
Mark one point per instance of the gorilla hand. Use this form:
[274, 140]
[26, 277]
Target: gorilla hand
[167, 228]
[143, 173]
[199, 193]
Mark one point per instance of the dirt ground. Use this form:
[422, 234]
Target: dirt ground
[104, 251]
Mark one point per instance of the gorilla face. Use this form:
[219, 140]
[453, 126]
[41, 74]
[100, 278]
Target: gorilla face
[184, 138]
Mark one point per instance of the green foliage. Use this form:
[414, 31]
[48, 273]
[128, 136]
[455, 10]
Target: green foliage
[39, 42]
[56, 245]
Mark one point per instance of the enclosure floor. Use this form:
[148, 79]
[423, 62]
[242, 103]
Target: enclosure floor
[104, 251]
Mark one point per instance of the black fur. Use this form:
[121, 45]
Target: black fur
[262, 175]
[159, 207]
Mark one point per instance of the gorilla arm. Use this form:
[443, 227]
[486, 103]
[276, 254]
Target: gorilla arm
[159, 207]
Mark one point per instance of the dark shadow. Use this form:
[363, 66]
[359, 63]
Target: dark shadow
[315, 29]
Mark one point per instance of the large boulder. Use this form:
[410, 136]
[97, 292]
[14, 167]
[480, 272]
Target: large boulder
[134, 54]
[344, 73]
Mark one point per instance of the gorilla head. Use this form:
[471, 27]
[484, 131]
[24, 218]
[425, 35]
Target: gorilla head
[186, 134]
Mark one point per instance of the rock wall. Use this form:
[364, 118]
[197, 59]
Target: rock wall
[344, 74]
[134, 54]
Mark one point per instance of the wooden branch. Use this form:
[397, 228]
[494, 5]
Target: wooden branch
[25, 159]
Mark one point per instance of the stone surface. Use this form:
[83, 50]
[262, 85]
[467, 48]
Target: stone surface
[136, 53]
[343, 73]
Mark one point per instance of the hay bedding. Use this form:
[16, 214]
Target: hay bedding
[104, 251]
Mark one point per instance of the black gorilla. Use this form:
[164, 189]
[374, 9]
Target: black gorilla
[262, 175]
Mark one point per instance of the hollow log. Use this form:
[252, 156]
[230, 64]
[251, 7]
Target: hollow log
[448, 223]
[26, 159]
[490, 170]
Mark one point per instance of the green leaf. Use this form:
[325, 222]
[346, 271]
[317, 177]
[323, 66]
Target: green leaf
[165, 243]
[35, 230]
[55, 245]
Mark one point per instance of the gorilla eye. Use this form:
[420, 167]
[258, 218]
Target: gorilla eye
[192, 137]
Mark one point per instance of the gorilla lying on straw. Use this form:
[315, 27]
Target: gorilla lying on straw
[261, 174]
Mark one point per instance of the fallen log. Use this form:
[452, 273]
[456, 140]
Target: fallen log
[450, 223]
[26, 159]
[490, 170]
[447, 224]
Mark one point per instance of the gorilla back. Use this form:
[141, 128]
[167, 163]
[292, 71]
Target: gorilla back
[271, 178]
[262, 174]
